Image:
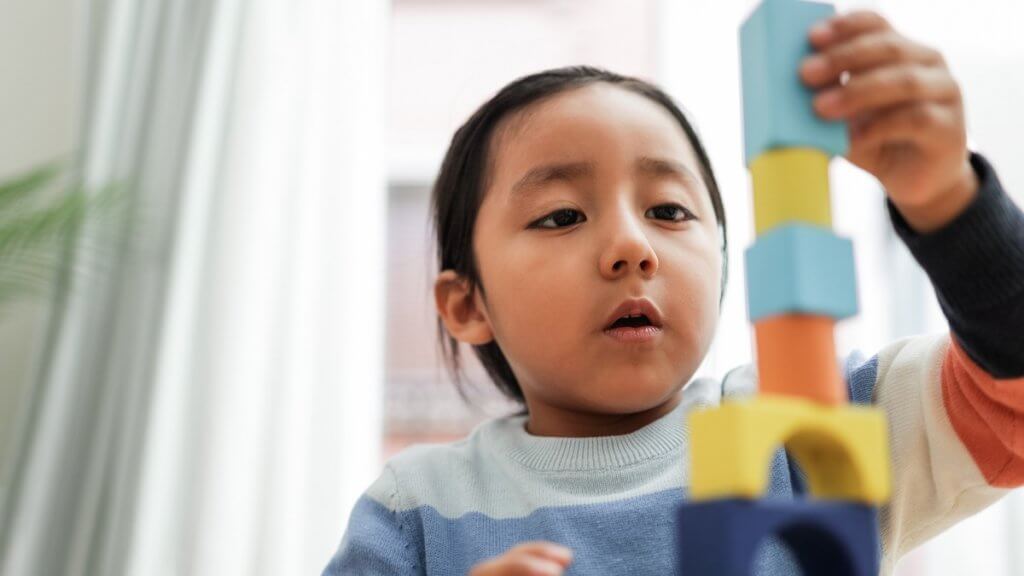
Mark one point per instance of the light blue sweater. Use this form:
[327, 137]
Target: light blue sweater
[441, 509]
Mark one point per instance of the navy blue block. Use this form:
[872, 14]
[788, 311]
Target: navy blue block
[721, 537]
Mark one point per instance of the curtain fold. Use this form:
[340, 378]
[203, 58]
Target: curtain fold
[209, 399]
[75, 472]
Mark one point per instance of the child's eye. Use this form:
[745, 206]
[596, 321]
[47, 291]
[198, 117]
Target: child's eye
[672, 212]
[567, 216]
[560, 219]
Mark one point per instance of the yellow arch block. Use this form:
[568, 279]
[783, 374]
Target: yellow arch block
[791, 184]
[843, 450]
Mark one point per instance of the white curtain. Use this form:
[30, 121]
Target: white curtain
[211, 402]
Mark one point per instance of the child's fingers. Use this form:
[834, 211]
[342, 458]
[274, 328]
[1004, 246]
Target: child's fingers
[518, 565]
[864, 53]
[886, 87]
[843, 27]
[547, 550]
[533, 566]
[538, 558]
[918, 122]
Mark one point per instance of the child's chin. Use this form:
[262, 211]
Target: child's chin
[629, 397]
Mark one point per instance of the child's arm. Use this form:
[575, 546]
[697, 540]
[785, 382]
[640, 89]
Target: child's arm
[956, 401]
[377, 542]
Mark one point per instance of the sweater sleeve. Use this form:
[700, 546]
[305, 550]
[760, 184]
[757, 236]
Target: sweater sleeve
[976, 264]
[377, 541]
[955, 401]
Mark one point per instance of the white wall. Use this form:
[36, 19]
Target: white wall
[449, 56]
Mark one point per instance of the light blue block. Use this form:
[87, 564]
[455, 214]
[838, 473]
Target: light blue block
[777, 105]
[801, 268]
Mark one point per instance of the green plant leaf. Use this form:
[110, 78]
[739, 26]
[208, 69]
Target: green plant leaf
[34, 235]
[47, 225]
[25, 187]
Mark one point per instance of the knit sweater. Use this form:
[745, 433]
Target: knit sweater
[954, 401]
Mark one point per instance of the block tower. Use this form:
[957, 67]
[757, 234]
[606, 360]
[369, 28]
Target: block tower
[800, 282]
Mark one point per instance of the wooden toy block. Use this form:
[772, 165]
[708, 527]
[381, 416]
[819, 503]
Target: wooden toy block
[777, 106]
[801, 268]
[791, 184]
[843, 450]
[796, 356]
[722, 537]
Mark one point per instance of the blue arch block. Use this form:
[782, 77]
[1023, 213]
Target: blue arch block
[721, 537]
[777, 105]
[801, 269]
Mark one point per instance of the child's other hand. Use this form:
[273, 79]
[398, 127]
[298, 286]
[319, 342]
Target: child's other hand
[904, 112]
[527, 559]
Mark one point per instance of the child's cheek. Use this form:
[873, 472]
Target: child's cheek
[692, 274]
[546, 302]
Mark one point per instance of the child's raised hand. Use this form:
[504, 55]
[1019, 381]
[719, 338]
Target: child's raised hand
[527, 559]
[904, 112]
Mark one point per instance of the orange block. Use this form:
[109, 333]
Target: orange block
[796, 357]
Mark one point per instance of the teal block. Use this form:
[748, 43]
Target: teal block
[777, 105]
[801, 268]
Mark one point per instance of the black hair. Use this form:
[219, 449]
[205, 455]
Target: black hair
[459, 189]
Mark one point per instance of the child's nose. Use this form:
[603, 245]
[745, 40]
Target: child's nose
[628, 252]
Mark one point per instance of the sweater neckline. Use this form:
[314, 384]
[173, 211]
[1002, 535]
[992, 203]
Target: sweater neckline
[663, 436]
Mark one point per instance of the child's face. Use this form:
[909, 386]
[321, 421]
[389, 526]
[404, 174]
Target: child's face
[550, 292]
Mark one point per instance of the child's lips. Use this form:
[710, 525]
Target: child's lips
[633, 334]
[635, 307]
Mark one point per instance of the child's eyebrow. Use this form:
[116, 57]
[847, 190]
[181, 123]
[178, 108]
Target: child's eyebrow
[544, 174]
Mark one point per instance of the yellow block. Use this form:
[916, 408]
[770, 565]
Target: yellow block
[843, 450]
[790, 184]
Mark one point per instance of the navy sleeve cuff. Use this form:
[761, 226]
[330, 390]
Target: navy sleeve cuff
[976, 265]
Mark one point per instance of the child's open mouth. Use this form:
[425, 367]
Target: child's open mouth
[633, 328]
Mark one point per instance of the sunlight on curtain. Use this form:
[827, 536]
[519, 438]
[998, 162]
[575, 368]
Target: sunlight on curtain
[279, 331]
[211, 403]
[81, 431]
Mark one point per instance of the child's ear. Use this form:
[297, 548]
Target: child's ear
[462, 312]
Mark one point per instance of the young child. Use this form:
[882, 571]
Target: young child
[582, 245]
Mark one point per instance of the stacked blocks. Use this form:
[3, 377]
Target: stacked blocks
[800, 268]
[800, 283]
[790, 184]
[816, 376]
[777, 111]
[837, 448]
[827, 538]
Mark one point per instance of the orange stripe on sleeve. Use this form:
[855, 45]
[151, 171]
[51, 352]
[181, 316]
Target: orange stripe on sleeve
[988, 416]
